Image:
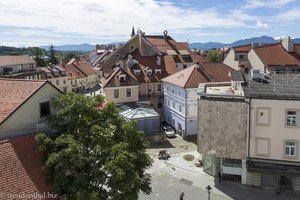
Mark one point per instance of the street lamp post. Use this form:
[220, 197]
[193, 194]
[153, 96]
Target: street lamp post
[208, 190]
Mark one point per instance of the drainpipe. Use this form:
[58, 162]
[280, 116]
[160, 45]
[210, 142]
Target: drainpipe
[249, 126]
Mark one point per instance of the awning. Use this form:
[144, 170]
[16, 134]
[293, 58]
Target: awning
[171, 52]
[184, 52]
[272, 167]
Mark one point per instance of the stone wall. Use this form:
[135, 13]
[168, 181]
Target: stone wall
[222, 125]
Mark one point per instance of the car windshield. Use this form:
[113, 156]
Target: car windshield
[169, 129]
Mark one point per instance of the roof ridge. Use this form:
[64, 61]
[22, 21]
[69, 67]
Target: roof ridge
[28, 80]
[266, 45]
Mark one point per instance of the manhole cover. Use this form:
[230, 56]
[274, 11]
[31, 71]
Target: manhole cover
[183, 180]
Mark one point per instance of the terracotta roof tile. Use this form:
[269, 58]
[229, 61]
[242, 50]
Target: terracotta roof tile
[275, 54]
[21, 169]
[243, 48]
[163, 45]
[14, 92]
[16, 60]
[78, 69]
[206, 72]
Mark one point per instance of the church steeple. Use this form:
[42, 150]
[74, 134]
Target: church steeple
[132, 32]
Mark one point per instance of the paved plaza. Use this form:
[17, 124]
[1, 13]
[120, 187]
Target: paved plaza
[172, 176]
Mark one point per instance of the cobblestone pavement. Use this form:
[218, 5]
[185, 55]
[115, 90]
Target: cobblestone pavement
[171, 177]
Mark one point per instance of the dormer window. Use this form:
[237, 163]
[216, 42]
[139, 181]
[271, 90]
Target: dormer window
[132, 47]
[137, 73]
[158, 72]
[122, 78]
[148, 71]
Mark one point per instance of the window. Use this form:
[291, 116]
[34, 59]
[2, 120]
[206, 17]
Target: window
[137, 72]
[65, 81]
[180, 108]
[149, 72]
[140, 90]
[173, 122]
[158, 72]
[290, 148]
[131, 47]
[168, 102]
[291, 118]
[122, 78]
[173, 91]
[65, 90]
[57, 82]
[117, 56]
[149, 88]
[44, 109]
[20, 67]
[173, 104]
[128, 92]
[179, 93]
[168, 89]
[159, 87]
[116, 93]
[159, 105]
[184, 66]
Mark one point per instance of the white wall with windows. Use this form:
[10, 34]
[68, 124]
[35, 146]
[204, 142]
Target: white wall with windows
[275, 129]
[180, 108]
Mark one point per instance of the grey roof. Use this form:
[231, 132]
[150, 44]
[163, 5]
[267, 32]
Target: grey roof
[137, 111]
[277, 86]
[237, 76]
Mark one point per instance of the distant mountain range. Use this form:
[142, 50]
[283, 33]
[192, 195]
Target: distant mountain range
[205, 46]
[211, 45]
[71, 47]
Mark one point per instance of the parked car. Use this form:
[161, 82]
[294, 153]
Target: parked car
[169, 131]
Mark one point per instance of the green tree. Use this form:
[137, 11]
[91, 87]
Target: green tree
[38, 57]
[214, 56]
[52, 52]
[94, 154]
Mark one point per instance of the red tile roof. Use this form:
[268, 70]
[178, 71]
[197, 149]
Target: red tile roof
[206, 72]
[14, 92]
[113, 80]
[243, 48]
[16, 60]
[78, 69]
[274, 55]
[21, 169]
[163, 45]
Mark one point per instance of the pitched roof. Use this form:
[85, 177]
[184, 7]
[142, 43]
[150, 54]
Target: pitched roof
[14, 92]
[78, 69]
[243, 48]
[21, 168]
[274, 55]
[113, 80]
[15, 60]
[163, 45]
[206, 72]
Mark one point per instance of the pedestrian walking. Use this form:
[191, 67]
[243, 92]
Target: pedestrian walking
[220, 177]
[181, 195]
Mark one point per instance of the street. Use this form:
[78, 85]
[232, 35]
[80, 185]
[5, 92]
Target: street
[171, 177]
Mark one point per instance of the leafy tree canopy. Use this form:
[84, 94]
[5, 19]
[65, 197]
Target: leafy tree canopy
[214, 56]
[94, 154]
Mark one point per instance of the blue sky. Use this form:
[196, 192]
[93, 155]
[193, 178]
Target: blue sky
[35, 23]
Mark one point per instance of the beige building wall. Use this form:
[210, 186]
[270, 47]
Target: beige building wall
[269, 130]
[109, 94]
[230, 60]
[62, 83]
[25, 119]
[255, 61]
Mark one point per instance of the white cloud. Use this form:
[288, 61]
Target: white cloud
[290, 15]
[259, 24]
[111, 19]
[252, 4]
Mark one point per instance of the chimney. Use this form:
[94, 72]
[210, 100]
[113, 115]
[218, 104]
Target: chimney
[165, 35]
[288, 44]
